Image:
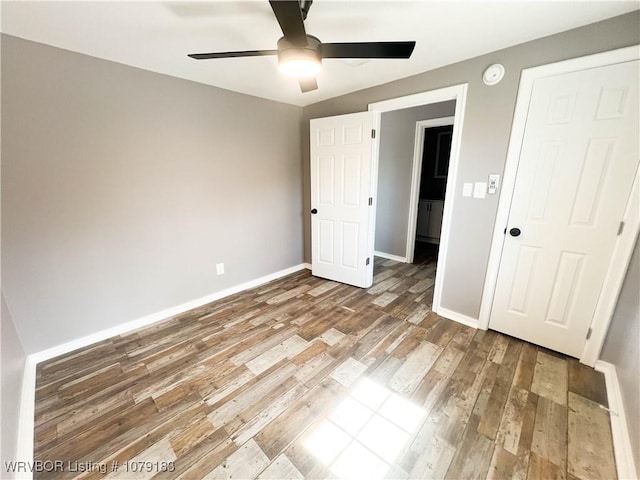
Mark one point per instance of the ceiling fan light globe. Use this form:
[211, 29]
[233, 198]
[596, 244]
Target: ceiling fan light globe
[299, 60]
[300, 67]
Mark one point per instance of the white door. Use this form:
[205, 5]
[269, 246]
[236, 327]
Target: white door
[578, 160]
[342, 220]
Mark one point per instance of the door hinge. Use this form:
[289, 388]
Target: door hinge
[589, 333]
[373, 133]
[368, 260]
[370, 200]
[620, 228]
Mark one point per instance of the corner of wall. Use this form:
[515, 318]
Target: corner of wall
[15, 402]
[26, 415]
[625, 464]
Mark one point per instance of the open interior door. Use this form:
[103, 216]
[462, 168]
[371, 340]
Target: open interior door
[342, 186]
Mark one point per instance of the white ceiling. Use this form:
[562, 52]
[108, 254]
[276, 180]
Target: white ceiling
[157, 36]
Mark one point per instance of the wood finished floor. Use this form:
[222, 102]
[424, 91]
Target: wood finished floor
[306, 378]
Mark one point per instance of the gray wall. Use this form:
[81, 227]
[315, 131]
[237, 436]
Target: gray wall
[622, 348]
[12, 368]
[395, 166]
[122, 188]
[485, 137]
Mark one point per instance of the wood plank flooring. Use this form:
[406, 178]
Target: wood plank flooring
[307, 378]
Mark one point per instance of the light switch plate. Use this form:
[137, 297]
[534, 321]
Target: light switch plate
[494, 183]
[480, 190]
[219, 268]
[467, 189]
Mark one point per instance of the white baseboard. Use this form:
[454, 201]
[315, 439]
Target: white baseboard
[457, 317]
[27, 402]
[307, 266]
[156, 317]
[388, 256]
[619, 430]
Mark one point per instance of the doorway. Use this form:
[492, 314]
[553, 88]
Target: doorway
[432, 150]
[456, 95]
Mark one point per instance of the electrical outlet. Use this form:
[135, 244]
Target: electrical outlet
[219, 268]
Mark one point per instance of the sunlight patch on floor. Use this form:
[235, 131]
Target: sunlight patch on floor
[366, 432]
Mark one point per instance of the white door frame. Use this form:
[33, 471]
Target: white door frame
[459, 94]
[416, 174]
[624, 246]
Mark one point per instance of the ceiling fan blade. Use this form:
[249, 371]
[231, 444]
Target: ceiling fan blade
[368, 50]
[307, 84]
[245, 53]
[289, 16]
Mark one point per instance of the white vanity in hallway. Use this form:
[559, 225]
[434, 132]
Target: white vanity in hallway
[429, 220]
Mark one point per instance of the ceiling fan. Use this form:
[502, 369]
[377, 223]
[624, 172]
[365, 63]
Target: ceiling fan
[300, 55]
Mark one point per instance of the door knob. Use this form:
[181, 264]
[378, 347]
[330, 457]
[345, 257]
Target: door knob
[314, 211]
[515, 232]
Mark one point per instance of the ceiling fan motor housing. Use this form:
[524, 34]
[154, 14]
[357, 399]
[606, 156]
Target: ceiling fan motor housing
[288, 51]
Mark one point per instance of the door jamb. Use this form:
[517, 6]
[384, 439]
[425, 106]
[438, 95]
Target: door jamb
[614, 278]
[459, 94]
[624, 247]
[416, 174]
